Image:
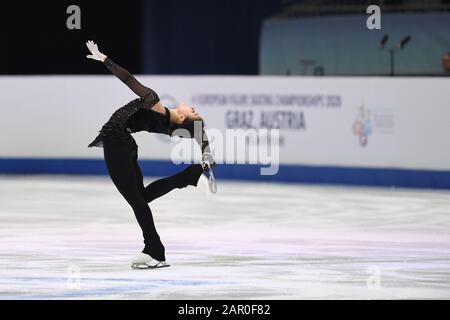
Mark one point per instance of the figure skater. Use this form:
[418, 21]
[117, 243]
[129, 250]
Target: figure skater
[120, 152]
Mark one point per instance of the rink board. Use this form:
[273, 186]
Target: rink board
[368, 131]
[287, 173]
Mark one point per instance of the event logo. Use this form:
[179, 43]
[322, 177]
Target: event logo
[362, 127]
[168, 100]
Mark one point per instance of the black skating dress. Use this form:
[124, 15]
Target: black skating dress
[138, 115]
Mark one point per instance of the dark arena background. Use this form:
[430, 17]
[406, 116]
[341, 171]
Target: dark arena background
[328, 121]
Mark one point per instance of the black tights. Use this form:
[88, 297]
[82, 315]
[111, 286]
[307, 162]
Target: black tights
[124, 170]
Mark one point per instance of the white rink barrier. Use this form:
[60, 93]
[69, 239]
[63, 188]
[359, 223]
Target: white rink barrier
[332, 130]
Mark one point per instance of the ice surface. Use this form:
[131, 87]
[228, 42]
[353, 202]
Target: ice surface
[71, 237]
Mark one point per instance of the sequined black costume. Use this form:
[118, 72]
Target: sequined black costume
[138, 114]
[120, 152]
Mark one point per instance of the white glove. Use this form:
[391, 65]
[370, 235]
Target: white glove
[208, 160]
[95, 53]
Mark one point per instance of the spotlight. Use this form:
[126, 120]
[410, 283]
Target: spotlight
[384, 40]
[404, 41]
[393, 50]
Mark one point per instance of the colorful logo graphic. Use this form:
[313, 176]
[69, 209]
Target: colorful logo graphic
[362, 127]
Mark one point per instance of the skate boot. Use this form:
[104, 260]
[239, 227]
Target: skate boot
[208, 174]
[144, 261]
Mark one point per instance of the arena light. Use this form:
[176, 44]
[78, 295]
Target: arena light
[393, 50]
[403, 42]
[384, 40]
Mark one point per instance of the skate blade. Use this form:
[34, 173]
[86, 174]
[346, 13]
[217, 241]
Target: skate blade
[146, 266]
[213, 184]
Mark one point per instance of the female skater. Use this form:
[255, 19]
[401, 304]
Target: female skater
[120, 151]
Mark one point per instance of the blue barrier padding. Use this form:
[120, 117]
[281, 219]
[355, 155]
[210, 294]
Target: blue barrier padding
[386, 177]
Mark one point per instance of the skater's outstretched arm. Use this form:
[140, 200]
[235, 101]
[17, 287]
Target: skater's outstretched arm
[197, 132]
[148, 95]
[206, 151]
[202, 140]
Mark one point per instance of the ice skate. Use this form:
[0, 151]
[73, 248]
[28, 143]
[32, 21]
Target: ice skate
[144, 261]
[208, 173]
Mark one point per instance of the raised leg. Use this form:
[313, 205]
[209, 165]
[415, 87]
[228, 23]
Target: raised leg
[158, 188]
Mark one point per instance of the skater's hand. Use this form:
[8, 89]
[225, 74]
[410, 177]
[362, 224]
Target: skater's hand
[95, 53]
[207, 158]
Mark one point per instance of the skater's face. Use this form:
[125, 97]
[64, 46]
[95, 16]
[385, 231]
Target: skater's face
[185, 111]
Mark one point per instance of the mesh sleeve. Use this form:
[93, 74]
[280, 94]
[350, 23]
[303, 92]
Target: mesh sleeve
[148, 95]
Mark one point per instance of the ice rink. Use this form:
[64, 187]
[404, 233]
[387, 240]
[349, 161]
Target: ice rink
[72, 237]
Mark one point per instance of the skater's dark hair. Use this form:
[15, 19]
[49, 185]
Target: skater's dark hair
[189, 126]
[192, 129]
